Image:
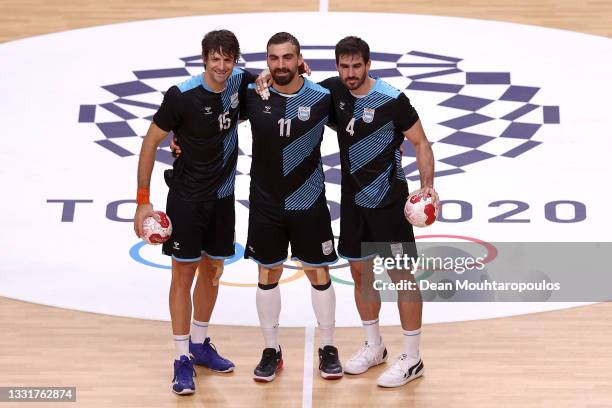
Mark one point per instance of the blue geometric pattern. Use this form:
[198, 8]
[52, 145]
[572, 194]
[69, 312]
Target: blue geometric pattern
[300, 148]
[307, 97]
[231, 87]
[227, 188]
[304, 197]
[230, 143]
[435, 74]
[373, 100]
[398, 166]
[374, 192]
[364, 151]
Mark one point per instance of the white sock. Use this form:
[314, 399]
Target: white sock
[372, 332]
[181, 345]
[324, 306]
[198, 331]
[411, 343]
[268, 308]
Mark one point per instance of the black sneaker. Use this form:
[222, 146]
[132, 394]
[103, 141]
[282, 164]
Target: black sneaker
[329, 363]
[271, 361]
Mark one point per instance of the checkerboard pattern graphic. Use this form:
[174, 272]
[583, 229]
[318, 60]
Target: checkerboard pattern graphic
[478, 115]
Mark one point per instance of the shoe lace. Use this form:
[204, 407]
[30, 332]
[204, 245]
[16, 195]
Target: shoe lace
[361, 354]
[401, 364]
[268, 356]
[183, 372]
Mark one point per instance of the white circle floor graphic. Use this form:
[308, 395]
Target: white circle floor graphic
[518, 117]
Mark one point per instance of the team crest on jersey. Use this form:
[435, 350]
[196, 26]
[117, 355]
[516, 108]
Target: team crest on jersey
[234, 100]
[327, 247]
[267, 109]
[368, 115]
[207, 110]
[341, 105]
[304, 113]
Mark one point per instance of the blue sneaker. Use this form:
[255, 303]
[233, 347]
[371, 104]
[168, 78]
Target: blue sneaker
[206, 354]
[182, 383]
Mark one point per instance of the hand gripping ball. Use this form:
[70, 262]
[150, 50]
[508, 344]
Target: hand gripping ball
[419, 210]
[157, 232]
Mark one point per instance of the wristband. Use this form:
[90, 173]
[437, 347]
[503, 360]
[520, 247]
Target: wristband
[142, 196]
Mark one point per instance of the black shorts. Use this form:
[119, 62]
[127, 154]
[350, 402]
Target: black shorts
[387, 227]
[200, 228]
[309, 233]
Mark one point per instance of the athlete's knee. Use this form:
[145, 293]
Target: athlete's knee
[318, 276]
[182, 276]
[211, 269]
[268, 276]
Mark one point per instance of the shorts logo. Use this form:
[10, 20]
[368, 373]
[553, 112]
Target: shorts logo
[176, 246]
[368, 115]
[304, 113]
[234, 100]
[397, 249]
[328, 247]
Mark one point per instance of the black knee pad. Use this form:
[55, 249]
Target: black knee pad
[323, 287]
[267, 287]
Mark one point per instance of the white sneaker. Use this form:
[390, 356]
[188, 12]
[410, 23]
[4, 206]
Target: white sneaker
[369, 355]
[401, 372]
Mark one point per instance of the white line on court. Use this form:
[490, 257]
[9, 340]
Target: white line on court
[309, 334]
[323, 6]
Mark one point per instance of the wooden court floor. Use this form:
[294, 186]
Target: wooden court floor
[552, 359]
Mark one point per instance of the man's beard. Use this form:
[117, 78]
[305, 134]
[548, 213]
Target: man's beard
[359, 82]
[282, 80]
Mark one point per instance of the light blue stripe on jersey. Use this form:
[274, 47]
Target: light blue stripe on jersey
[380, 94]
[230, 142]
[364, 151]
[302, 147]
[398, 165]
[231, 87]
[227, 188]
[307, 96]
[304, 197]
[373, 101]
[375, 192]
[384, 88]
[193, 82]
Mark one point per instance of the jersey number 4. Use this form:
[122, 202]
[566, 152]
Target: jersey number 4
[350, 127]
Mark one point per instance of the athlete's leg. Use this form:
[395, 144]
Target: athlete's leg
[323, 302]
[367, 299]
[409, 302]
[180, 295]
[207, 288]
[204, 298]
[268, 301]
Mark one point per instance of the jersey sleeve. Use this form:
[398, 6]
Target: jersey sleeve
[249, 77]
[327, 83]
[404, 115]
[167, 116]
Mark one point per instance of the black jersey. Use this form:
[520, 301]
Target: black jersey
[286, 170]
[205, 124]
[369, 135]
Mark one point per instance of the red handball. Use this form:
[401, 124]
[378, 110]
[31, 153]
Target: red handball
[157, 232]
[419, 210]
